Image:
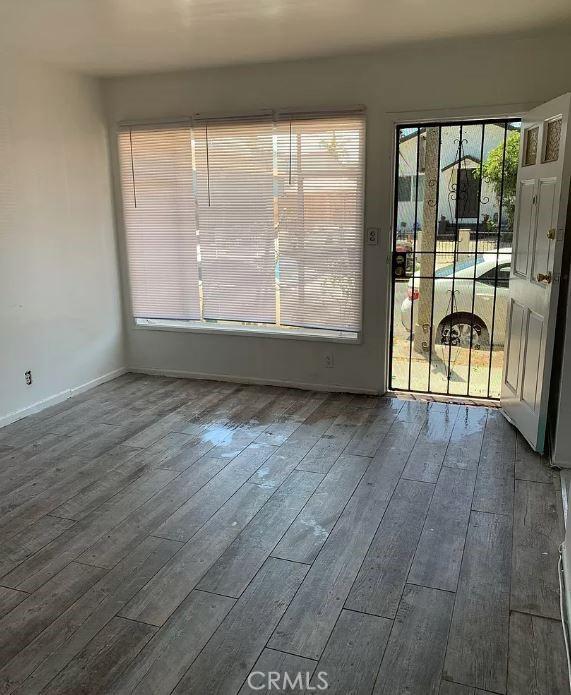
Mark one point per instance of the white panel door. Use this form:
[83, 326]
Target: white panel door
[539, 224]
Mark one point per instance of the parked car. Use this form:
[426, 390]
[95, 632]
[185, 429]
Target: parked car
[465, 294]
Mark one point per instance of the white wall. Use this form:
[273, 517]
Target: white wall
[471, 78]
[59, 299]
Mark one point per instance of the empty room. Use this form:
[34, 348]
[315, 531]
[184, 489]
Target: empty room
[285, 347]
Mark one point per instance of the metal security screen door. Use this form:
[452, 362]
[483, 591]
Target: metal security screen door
[455, 187]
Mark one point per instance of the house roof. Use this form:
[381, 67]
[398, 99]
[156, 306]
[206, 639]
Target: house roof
[476, 160]
[413, 134]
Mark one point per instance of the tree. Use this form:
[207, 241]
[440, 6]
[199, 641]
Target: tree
[503, 177]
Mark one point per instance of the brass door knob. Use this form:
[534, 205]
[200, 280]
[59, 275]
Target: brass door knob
[551, 233]
[544, 277]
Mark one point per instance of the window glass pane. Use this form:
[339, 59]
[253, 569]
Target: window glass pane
[404, 188]
[320, 183]
[160, 221]
[234, 171]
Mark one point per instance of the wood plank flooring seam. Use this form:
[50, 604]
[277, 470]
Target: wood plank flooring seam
[246, 486]
[412, 554]
[533, 615]
[215, 634]
[373, 615]
[426, 627]
[107, 569]
[391, 469]
[461, 560]
[380, 656]
[214, 593]
[361, 564]
[213, 512]
[424, 586]
[48, 539]
[160, 491]
[155, 535]
[57, 516]
[470, 483]
[519, 611]
[476, 690]
[497, 674]
[138, 622]
[490, 441]
[102, 601]
[454, 592]
[84, 527]
[61, 501]
[338, 516]
[179, 504]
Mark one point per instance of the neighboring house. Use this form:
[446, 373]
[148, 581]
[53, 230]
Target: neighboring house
[457, 167]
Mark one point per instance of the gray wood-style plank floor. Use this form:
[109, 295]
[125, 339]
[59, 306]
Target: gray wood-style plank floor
[165, 536]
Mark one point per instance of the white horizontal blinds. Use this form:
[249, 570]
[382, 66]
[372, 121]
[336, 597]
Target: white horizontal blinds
[321, 174]
[234, 163]
[160, 220]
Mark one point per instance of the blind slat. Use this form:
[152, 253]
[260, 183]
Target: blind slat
[160, 220]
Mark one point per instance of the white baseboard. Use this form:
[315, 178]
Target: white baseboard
[254, 380]
[74, 391]
[60, 397]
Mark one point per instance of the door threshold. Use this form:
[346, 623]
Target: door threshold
[442, 398]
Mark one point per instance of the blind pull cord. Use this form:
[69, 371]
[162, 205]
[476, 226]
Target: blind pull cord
[290, 151]
[207, 163]
[132, 166]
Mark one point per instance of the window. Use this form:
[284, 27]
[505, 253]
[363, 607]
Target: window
[499, 276]
[404, 189]
[234, 174]
[160, 221]
[252, 222]
[407, 188]
[467, 194]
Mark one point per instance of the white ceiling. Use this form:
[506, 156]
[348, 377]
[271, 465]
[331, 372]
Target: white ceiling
[125, 36]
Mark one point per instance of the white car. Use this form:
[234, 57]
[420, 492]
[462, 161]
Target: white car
[464, 296]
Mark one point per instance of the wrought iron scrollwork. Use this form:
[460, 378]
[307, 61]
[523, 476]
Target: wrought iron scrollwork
[432, 184]
[457, 190]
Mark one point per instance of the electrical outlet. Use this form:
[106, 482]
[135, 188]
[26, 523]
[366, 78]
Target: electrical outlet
[329, 363]
[28, 376]
[372, 236]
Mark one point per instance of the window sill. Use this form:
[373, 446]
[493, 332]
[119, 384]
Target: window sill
[251, 331]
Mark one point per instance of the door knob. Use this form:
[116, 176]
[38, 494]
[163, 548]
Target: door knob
[551, 233]
[544, 277]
